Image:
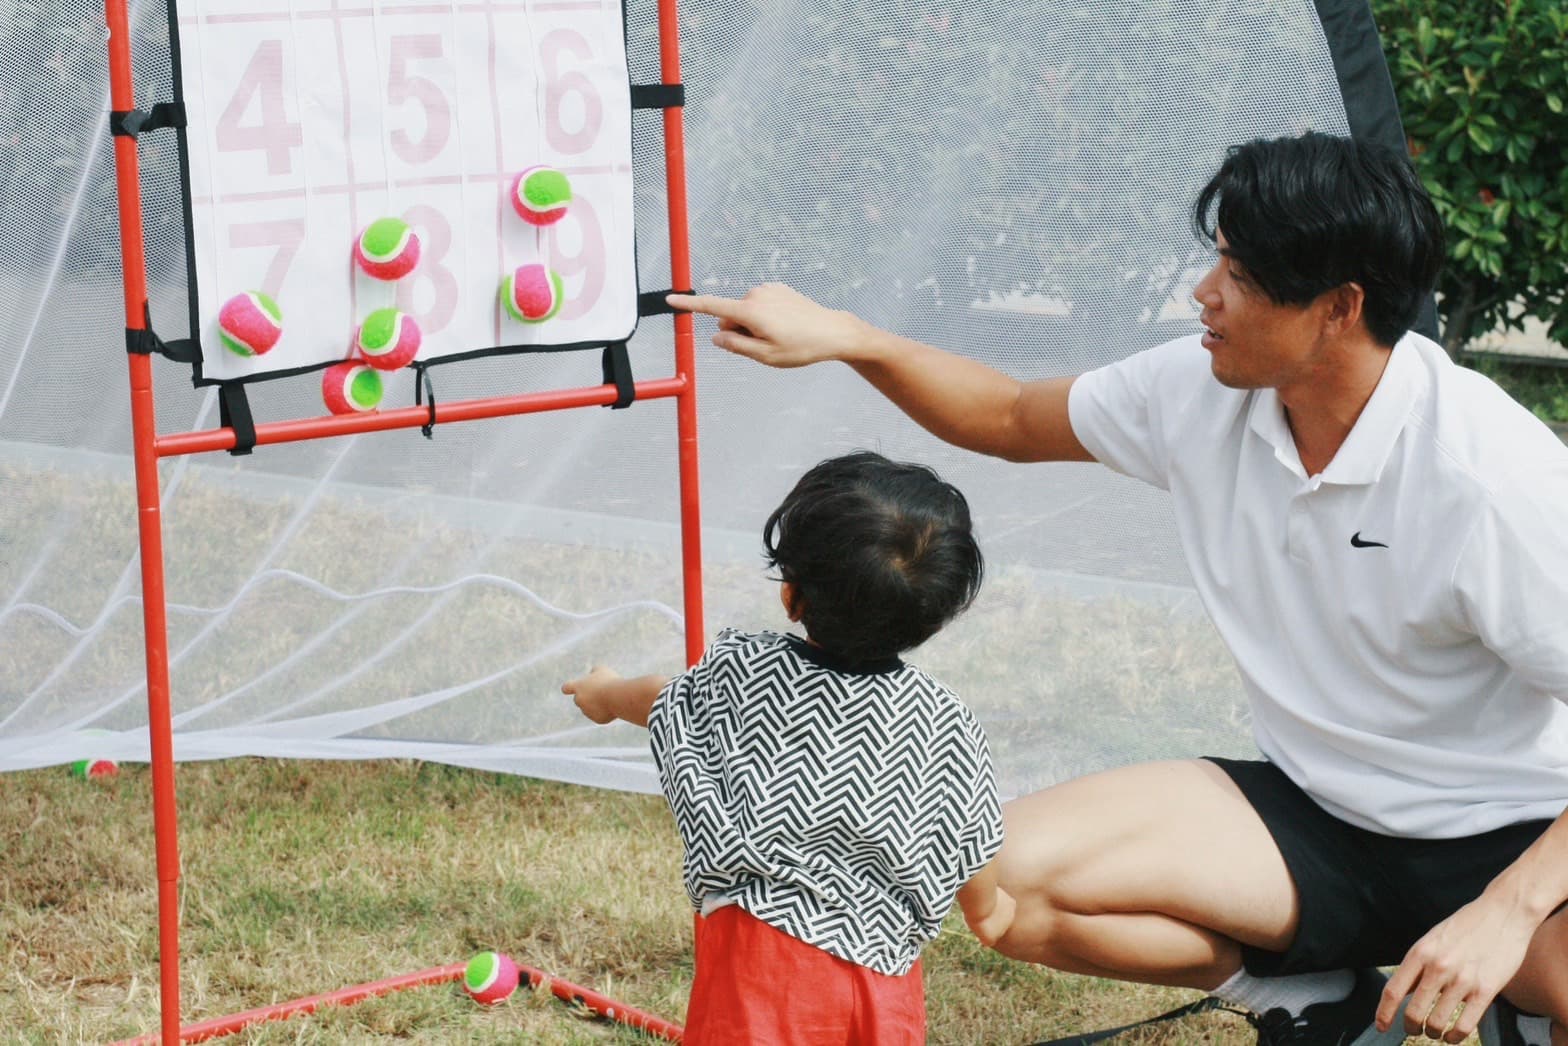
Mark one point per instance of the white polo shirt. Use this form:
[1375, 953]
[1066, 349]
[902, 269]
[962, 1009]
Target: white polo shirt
[1400, 620]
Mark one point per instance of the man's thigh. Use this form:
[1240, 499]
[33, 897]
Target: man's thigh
[1173, 838]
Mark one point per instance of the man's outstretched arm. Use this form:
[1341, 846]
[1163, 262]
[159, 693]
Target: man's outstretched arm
[957, 399]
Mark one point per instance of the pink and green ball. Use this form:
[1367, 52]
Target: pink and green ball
[351, 387]
[88, 768]
[532, 294]
[387, 249]
[540, 195]
[388, 339]
[491, 977]
[250, 324]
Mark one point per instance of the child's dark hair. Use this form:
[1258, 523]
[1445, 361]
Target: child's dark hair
[1303, 215]
[879, 552]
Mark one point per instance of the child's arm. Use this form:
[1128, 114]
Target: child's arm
[604, 696]
[988, 909]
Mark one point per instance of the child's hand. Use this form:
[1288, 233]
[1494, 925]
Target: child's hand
[592, 694]
[994, 926]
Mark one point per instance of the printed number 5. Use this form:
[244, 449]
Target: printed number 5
[402, 86]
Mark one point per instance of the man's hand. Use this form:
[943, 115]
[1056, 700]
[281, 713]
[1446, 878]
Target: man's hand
[1467, 959]
[779, 326]
[594, 693]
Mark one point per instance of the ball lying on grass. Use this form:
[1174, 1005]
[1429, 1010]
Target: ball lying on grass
[532, 293]
[388, 249]
[85, 768]
[540, 195]
[250, 324]
[490, 977]
[389, 339]
[351, 387]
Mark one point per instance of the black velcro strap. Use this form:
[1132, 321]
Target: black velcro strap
[618, 372]
[422, 390]
[234, 413]
[652, 303]
[145, 342]
[658, 96]
[1201, 1006]
[130, 123]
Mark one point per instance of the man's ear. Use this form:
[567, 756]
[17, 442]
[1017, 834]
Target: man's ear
[1344, 304]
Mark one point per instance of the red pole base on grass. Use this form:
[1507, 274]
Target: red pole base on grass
[283, 1010]
[600, 1005]
[603, 1005]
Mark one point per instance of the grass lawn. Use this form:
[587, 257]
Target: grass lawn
[305, 877]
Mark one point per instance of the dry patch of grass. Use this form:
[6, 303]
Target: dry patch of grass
[304, 877]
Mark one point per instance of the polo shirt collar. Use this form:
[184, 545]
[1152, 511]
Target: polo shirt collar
[1366, 450]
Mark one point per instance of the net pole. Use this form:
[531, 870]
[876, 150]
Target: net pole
[685, 342]
[122, 97]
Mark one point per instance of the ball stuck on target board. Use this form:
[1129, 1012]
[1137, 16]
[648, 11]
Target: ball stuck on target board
[351, 387]
[387, 249]
[388, 339]
[490, 977]
[250, 324]
[532, 293]
[540, 195]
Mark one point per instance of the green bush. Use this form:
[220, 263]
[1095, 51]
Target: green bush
[1482, 87]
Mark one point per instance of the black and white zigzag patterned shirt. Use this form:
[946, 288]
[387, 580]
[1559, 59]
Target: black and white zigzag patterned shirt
[842, 807]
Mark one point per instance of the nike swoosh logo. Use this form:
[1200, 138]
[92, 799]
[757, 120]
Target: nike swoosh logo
[1356, 542]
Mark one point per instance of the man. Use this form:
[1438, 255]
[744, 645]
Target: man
[1380, 539]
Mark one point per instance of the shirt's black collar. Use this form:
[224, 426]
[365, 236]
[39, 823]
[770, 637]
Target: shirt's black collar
[827, 659]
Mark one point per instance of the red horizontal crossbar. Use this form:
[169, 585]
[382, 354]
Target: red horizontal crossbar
[414, 417]
[601, 1005]
[343, 997]
[604, 1006]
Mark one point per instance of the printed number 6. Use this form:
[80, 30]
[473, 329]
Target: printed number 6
[559, 85]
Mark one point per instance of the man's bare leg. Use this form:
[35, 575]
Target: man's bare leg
[1154, 873]
[1541, 985]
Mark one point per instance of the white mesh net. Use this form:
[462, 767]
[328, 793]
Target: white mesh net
[1009, 181]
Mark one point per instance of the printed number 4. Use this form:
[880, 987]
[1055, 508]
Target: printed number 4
[273, 134]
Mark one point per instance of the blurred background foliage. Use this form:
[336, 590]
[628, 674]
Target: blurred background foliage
[1483, 88]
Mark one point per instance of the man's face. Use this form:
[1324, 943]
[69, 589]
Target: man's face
[1253, 342]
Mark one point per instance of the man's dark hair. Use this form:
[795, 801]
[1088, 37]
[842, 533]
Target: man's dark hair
[1303, 215]
[879, 552]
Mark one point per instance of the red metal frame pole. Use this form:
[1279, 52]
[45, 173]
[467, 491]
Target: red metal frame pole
[149, 521]
[148, 448]
[604, 1006]
[300, 429]
[685, 340]
[238, 1022]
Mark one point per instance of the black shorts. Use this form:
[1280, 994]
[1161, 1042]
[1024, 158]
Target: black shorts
[1365, 897]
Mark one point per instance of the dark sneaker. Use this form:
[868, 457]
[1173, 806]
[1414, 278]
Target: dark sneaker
[1345, 1022]
[1504, 1024]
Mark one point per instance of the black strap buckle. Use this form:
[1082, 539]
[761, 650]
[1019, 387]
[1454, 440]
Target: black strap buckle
[658, 96]
[234, 413]
[618, 372]
[128, 123]
[423, 390]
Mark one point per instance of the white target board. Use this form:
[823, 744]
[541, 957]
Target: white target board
[310, 119]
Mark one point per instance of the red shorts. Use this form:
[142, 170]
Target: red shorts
[759, 985]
